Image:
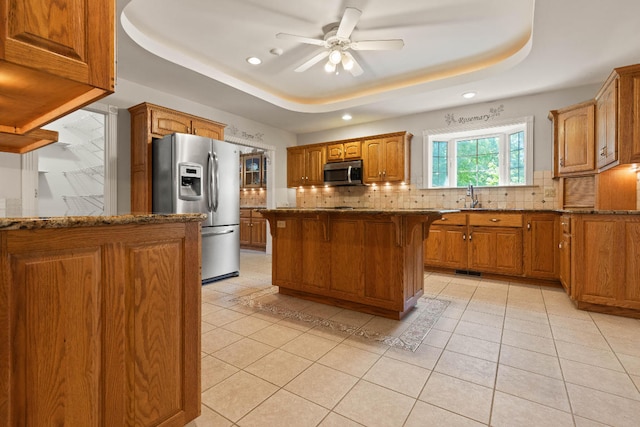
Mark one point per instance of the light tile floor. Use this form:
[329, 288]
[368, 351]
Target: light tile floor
[502, 354]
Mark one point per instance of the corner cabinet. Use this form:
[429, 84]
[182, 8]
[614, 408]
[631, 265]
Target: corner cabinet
[386, 158]
[61, 52]
[573, 129]
[305, 165]
[150, 121]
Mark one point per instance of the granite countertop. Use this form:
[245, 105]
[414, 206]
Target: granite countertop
[348, 210]
[31, 223]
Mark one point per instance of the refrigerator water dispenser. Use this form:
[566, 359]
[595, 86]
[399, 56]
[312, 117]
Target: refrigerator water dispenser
[190, 181]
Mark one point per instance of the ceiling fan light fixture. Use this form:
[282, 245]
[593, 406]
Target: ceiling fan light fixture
[335, 57]
[330, 67]
[347, 63]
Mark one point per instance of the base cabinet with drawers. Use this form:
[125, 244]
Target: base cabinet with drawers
[510, 244]
[253, 230]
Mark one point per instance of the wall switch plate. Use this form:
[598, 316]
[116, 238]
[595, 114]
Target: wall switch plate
[282, 224]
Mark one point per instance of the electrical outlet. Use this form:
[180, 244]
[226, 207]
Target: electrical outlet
[549, 192]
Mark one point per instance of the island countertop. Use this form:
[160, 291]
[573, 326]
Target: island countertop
[32, 223]
[364, 211]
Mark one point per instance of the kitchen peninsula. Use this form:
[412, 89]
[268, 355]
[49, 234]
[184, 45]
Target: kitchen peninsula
[362, 259]
[100, 320]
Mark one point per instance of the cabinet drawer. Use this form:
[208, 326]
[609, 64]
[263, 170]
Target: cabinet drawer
[255, 214]
[452, 219]
[495, 219]
[245, 213]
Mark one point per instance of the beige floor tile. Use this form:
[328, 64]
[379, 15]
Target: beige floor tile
[487, 308]
[237, 395]
[222, 317]
[529, 316]
[588, 339]
[531, 361]
[373, 405]
[322, 385]
[624, 346]
[425, 356]
[386, 326]
[209, 418]
[477, 330]
[275, 335]
[277, 410]
[247, 325]
[333, 334]
[467, 368]
[322, 310]
[487, 319]
[512, 411]
[309, 346]
[459, 396]
[531, 328]
[206, 327]
[243, 353]
[366, 343]
[335, 420]
[217, 339]
[589, 355]
[278, 367]
[474, 347]
[603, 407]
[398, 376]
[585, 324]
[636, 380]
[293, 323]
[209, 308]
[436, 338]
[614, 382]
[213, 371]
[453, 312]
[424, 414]
[446, 324]
[350, 317]
[350, 360]
[584, 422]
[529, 342]
[537, 388]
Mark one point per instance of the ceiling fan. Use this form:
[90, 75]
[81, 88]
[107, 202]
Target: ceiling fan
[337, 43]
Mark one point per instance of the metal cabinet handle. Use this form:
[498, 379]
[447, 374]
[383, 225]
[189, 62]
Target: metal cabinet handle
[561, 161]
[529, 226]
[444, 218]
[560, 245]
[464, 236]
[495, 220]
[470, 236]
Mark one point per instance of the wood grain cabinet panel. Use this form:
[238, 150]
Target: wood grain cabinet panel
[61, 52]
[305, 165]
[541, 239]
[104, 324]
[253, 230]
[386, 158]
[574, 136]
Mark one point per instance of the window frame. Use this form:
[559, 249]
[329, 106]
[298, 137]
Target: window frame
[475, 131]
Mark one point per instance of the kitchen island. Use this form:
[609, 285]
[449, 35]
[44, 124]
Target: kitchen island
[100, 320]
[362, 259]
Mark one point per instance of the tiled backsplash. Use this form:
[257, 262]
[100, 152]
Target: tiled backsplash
[542, 195]
[253, 197]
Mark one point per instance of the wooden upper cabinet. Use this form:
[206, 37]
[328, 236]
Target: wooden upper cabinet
[61, 52]
[150, 121]
[341, 151]
[386, 158]
[574, 135]
[305, 165]
[620, 132]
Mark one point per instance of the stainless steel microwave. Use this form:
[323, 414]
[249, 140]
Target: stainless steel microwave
[343, 173]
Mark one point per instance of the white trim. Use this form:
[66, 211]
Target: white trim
[29, 171]
[475, 129]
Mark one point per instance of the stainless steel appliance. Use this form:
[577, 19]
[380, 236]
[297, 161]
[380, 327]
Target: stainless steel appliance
[193, 174]
[343, 173]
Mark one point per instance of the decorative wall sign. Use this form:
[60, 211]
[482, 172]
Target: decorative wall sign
[232, 130]
[450, 118]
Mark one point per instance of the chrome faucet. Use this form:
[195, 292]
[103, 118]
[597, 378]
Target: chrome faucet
[474, 197]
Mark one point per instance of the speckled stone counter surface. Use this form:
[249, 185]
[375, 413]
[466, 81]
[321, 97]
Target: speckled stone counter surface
[348, 210]
[31, 223]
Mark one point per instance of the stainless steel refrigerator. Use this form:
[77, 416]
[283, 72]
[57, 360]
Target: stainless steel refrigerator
[194, 174]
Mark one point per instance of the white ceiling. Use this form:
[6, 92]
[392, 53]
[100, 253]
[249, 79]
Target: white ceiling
[196, 49]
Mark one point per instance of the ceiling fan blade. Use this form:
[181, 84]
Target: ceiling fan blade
[350, 64]
[301, 39]
[348, 22]
[396, 44]
[313, 61]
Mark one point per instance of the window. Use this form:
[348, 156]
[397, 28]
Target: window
[495, 156]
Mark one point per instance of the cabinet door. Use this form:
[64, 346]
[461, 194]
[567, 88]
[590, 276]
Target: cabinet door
[335, 152]
[607, 125]
[314, 166]
[245, 231]
[393, 170]
[287, 252]
[575, 130]
[315, 274]
[495, 250]
[259, 232]
[540, 246]
[352, 150]
[252, 172]
[207, 129]
[295, 167]
[446, 247]
[167, 122]
[373, 160]
[565, 263]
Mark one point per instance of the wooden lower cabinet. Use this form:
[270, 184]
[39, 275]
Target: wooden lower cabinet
[495, 250]
[253, 230]
[607, 272]
[564, 249]
[541, 237]
[100, 325]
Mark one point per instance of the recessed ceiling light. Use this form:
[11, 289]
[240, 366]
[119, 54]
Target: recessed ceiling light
[469, 95]
[254, 60]
[346, 117]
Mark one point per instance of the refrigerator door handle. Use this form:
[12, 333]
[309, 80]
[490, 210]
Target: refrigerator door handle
[209, 182]
[217, 187]
[217, 233]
